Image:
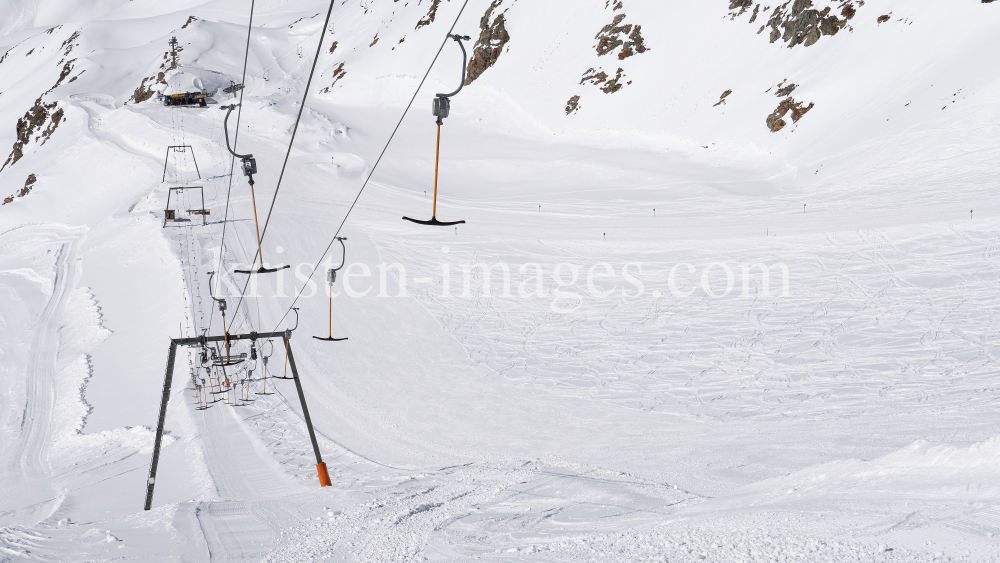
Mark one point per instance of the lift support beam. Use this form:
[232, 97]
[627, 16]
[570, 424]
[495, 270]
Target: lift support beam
[324, 477]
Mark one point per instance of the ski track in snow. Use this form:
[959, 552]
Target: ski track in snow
[26, 454]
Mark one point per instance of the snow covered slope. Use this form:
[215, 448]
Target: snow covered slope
[641, 389]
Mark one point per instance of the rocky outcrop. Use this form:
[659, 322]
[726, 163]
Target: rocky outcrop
[144, 92]
[616, 34]
[338, 73]
[775, 121]
[785, 90]
[798, 22]
[28, 184]
[573, 105]
[492, 39]
[431, 14]
[722, 98]
[598, 77]
[34, 119]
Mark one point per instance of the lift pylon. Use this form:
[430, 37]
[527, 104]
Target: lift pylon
[170, 215]
[179, 148]
[286, 336]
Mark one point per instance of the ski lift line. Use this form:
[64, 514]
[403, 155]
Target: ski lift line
[236, 139]
[288, 153]
[370, 173]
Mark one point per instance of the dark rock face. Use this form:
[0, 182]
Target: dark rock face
[797, 22]
[28, 184]
[722, 98]
[338, 73]
[573, 105]
[35, 118]
[144, 92]
[598, 77]
[492, 39]
[775, 122]
[625, 39]
[431, 14]
[787, 90]
[614, 35]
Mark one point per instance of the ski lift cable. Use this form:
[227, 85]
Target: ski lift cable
[291, 142]
[236, 139]
[370, 173]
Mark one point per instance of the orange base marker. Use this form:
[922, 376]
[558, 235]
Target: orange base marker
[324, 476]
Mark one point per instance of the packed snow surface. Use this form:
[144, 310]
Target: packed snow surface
[727, 287]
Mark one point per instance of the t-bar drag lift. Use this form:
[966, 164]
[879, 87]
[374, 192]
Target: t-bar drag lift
[442, 108]
[230, 360]
[249, 166]
[331, 276]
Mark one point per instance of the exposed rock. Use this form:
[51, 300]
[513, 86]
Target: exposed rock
[573, 105]
[67, 68]
[722, 98]
[333, 47]
[608, 38]
[143, 92]
[614, 35]
[883, 19]
[797, 22]
[34, 119]
[68, 44]
[374, 41]
[191, 20]
[775, 122]
[739, 7]
[594, 76]
[338, 73]
[598, 77]
[28, 184]
[492, 39]
[787, 90]
[431, 14]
